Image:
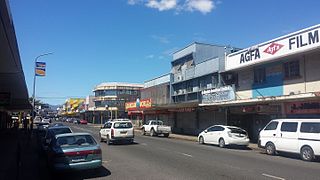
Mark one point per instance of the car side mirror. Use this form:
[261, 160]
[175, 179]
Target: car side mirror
[205, 131]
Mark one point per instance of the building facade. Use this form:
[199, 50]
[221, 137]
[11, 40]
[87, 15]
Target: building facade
[110, 98]
[196, 69]
[277, 78]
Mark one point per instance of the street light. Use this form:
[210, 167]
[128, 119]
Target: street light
[34, 86]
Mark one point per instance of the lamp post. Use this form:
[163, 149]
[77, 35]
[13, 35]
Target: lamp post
[34, 86]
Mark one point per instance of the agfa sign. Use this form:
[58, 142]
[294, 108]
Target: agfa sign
[294, 43]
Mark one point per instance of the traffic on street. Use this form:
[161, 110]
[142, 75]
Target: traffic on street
[170, 158]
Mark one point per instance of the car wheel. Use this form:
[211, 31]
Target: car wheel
[108, 140]
[270, 149]
[307, 154]
[152, 133]
[201, 140]
[221, 143]
[166, 135]
[143, 132]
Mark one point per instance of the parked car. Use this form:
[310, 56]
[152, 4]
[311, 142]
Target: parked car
[117, 130]
[69, 120]
[46, 120]
[156, 127]
[300, 136]
[76, 121]
[37, 120]
[56, 124]
[74, 151]
[51, 132]
[223, 136]
[82, 121]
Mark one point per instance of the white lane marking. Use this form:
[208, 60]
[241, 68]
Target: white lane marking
[271, 176]
[144, 144]
[186, 154]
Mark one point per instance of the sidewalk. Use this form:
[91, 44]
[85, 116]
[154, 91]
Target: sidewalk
[20, 157]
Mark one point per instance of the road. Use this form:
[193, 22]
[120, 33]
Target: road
[167, 158]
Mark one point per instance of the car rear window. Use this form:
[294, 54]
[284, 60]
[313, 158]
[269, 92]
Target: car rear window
[60, 131]
[238, 131]
[122, 125]
[77, 140]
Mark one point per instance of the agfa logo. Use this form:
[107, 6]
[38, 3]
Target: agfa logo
[273, 48]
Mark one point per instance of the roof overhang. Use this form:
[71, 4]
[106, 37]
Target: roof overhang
[12, 80]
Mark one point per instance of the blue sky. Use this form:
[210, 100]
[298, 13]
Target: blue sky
[96, 41]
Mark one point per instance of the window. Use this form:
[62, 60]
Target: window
[108, 125]
[122, 125]
[289, 126]
[291, 69]
[259, 75]
[215, 128]
[272, 126]
[309, 127]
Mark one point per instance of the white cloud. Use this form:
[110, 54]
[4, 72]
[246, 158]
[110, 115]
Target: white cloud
[151, 56]
[162, 4]
[161, 39]
[204, 6]
[133, 2]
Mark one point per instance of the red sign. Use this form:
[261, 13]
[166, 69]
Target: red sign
[273, 48]
[306, 107]
[139, 104]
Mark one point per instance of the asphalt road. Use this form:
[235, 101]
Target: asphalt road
[167, 158]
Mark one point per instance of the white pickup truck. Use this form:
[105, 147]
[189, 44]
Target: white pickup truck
[156, 127]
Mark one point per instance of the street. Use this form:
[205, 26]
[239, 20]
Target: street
[167, 158]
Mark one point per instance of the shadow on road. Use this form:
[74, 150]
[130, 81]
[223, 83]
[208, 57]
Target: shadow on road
[85, 174]
[123, 144]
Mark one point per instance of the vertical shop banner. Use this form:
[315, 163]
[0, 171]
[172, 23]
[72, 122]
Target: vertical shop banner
[40, 69]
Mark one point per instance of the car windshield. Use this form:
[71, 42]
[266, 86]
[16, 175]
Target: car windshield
[237, 131]
[122, 125]
[76, 140]
[57, 131]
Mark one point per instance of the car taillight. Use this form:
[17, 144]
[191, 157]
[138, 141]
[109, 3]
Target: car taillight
[83, 153]
[112, 132]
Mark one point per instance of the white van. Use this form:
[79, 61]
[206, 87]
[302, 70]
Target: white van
[301, 136]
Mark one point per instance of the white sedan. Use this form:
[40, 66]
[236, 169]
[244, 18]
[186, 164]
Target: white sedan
[223, 136]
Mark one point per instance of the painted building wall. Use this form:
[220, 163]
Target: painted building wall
[313, 72]
[273, 86]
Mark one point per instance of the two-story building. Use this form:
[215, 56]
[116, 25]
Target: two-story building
[277, 78]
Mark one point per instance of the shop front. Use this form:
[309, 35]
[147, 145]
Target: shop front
[303, 109]
[136, 109]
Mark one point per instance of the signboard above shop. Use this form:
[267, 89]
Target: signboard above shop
[138, 104]
[304, 107]
[294, 43]
[221, 94]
